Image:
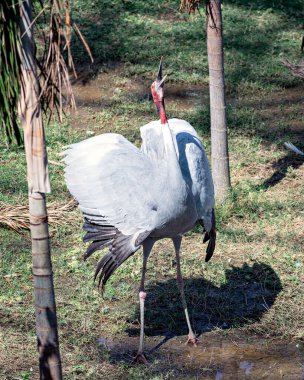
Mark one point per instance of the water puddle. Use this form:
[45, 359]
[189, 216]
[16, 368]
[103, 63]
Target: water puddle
[218, 357]
[246, 366]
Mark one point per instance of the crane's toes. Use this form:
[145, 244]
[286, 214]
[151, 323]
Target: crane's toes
[140, 358]
[193, 340]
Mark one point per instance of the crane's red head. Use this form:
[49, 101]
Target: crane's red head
[157, 90]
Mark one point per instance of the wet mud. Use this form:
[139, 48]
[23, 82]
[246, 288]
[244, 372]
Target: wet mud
[216, 357]
[98, 93]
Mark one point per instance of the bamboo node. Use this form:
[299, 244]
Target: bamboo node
[41, 239]
[53, 308]
[220, 158]
[218, 108]
[43, 217]
[42, 272]
[218, 130]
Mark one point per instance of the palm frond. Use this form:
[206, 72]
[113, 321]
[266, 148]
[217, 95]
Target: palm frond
[56, 89]
[192, 6]
[189, 5]
[54, 34]
[9, 71]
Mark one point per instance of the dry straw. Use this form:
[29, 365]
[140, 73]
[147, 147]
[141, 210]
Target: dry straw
[296, 69]
[17, 217]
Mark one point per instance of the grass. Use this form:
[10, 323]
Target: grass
[254, 283]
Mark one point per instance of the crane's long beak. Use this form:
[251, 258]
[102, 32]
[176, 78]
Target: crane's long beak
[160, 79]
[160, 70]
[158, 93]
[160, 84]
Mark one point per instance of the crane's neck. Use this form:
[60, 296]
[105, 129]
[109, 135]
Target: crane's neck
[160, 105]
[171, 158]
[162, 112]
[171, 155]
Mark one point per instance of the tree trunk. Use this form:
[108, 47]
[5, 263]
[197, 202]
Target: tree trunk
[38, 184]
[219, 138]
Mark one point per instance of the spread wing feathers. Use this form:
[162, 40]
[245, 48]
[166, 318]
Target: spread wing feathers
[121, 247]
[113, 181]
[102, 236]
[210, 236]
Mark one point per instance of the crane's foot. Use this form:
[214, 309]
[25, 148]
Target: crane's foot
[140, 358]
[193, 340]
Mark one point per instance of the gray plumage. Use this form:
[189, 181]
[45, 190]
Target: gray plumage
[128, 195]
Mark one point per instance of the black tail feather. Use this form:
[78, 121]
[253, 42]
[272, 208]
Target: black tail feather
[210, 248]
[206, 237]
[211, 237]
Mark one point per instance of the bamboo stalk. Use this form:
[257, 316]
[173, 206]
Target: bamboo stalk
[45, 307]
[38, 184]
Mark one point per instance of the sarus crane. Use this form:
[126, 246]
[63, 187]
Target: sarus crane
[133, 197]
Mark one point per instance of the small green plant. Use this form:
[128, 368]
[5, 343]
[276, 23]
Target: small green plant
[26, 375]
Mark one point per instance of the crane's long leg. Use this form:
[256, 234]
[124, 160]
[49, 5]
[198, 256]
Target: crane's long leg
[147, 247]
[180, 283]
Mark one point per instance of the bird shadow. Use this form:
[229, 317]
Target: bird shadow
[246, 293]
[282, 166]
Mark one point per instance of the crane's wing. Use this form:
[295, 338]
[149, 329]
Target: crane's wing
[113, 183]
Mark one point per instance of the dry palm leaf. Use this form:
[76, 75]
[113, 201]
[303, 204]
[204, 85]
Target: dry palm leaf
[54, 34]
[54, 72]
[189, 5]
